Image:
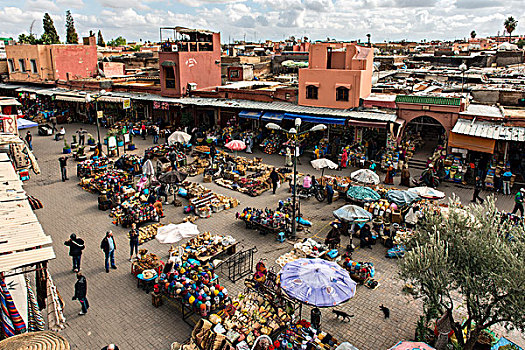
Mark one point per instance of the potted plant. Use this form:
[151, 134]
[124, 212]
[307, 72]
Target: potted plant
[91, 140]
[74, 144]
[67, 148]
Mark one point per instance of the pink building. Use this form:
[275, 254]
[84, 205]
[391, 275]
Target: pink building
[338, 75]
[192, 62]
[49, 63]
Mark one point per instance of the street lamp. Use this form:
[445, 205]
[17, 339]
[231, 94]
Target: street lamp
[294, 134]
[95, 98]
[463, 68]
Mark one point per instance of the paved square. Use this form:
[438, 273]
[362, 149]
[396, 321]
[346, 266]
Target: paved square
[122, 314]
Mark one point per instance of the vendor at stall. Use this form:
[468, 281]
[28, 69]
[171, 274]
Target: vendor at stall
[365, 237]
[333, 239]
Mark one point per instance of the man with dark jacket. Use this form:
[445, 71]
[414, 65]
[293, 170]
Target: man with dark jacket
[108, 245]
[81, 293]
[63, 167]
[477, 190]
[76, 245]
[275, 179]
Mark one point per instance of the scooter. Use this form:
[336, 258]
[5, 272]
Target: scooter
[316, 191]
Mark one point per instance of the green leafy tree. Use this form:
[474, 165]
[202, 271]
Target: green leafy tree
[473, 34]
[521, 43]
[71, 33]
[100, 39]
[475, 254]
[510, 25]
[27, 39]
[120, 41]
[50, 35]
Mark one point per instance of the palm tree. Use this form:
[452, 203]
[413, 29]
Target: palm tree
[510, 24]
[473, 34]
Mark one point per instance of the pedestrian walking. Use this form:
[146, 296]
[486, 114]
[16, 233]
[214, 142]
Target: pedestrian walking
[29, 140]
[329, 193]
[143, 131]
[275, 179]
[133, 241]
[81, 136]
[53, 121]
[173, 159]
[155, 133]
[63, 167]
[477, 189]
[81, 293]
[76, 246]
[518, 201]
[108, 245]
[506, 177]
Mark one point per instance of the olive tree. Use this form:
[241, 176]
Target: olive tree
[473, 253]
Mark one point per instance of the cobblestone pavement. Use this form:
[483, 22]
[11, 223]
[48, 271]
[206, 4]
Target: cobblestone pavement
[122, 314]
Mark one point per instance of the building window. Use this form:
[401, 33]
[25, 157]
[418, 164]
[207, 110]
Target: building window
[311, 92]
[22, 64]
[234, 73]
[11, 65]
[33, 66]
[341, 94]
[169, 78]
[287, 96]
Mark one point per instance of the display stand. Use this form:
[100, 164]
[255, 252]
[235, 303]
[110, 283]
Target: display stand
[240, 265]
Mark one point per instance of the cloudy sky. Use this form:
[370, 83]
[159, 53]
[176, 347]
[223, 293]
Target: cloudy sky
[270, 19]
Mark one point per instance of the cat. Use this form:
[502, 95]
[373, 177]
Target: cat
[342, 314]
[386, 311]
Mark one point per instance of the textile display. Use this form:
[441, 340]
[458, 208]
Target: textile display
[12, 322]
[35, 320]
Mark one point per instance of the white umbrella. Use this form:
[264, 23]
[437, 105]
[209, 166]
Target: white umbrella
[173, 233]
[427, 192]
[365, 176]
[323, 163]
[178, 137]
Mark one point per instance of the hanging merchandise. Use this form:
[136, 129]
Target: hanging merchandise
[35, 320]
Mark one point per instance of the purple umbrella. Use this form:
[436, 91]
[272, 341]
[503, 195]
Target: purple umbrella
[317, 282]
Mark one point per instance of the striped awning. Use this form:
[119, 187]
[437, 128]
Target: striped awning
[67, 98]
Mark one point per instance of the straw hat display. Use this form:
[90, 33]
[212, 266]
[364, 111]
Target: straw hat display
[45, 340]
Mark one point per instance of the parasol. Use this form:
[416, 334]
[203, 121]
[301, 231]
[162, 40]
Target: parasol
[365, 176]
[352, 213]
[172, 177]
[323, 163]
[361, 193]
[401, 198]
[411, 345]
[427, 192]
[179, 137]
[235, 145]
[24, 123]
[317, 282]
[173, 233]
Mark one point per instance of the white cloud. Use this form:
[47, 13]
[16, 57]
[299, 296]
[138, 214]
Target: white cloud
[76, 4]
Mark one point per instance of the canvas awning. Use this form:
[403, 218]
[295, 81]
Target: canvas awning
[472, 143]
[316, 119]
[168, 64]
[272, 117]
[250, 115]
[70, 98]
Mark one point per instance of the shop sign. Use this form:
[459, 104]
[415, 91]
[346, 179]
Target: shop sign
[126, 103]
[112, 142]
[100, 114]
[161, 105]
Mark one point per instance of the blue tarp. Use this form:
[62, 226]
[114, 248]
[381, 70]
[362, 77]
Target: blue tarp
[250, 115]
[316, 119]
[272, 117]
[24, 123]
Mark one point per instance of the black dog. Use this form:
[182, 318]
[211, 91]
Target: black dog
[342, 314]
[386, 311]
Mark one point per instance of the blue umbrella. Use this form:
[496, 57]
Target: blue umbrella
[401, 198]
[352, 213]
[317, 282]
[361, 193]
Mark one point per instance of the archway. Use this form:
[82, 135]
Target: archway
[430, 131]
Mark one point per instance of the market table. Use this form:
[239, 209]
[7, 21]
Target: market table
[146, 283]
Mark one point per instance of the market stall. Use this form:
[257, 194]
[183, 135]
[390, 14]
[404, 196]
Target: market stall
[204, 201]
